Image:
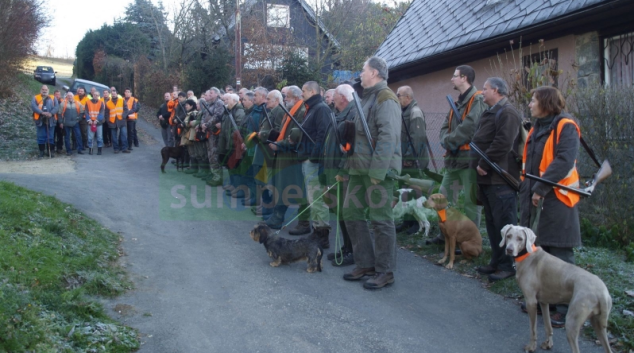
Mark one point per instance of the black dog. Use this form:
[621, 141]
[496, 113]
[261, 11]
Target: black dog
[284, 251]
[177, 153]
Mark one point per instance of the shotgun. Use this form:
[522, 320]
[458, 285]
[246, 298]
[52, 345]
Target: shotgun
[508, 178]
[297, 123]
[364, 122]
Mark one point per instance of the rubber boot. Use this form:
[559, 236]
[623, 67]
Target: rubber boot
[98, 151]
[203, 169]
[193, 168]
[216, 180]
[41, 147]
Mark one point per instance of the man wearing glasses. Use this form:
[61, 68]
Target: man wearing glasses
[455, 135]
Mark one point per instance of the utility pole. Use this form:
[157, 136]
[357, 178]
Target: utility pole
[238, 46]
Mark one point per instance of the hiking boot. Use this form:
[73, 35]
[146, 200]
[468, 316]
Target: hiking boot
[347, 260]
[98, 151]
[500, 275]
[302, 227]
[438, 240]
[358, 273]
[380, 280]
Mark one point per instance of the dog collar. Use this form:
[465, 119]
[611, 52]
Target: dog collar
[524, 254]
[442, 214]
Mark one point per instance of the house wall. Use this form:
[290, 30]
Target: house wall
[431, 89]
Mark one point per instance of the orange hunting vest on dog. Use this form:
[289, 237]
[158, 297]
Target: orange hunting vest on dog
[116, 111]
[464, 147]
[572, 178]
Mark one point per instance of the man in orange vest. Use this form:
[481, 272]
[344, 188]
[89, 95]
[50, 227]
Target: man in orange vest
[455, 135]
[44, 107]
[82, 98]
[94, 116]
[116, 119]
[131, 108]
[70, 112]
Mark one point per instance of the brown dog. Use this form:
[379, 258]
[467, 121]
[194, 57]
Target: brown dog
[457, 229]
[177, 153]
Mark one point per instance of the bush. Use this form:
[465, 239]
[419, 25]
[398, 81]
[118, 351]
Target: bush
[606, 115]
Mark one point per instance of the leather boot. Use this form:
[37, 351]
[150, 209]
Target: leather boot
[41, 147]
[380, 280]
[193, 166]
[302, 227]
[99, 151]
[358, 273]
[90, 150]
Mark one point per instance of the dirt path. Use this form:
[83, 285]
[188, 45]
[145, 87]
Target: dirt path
[58, 165]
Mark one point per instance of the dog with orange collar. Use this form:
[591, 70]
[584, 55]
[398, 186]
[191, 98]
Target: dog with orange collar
[457, 229]
[545, 279]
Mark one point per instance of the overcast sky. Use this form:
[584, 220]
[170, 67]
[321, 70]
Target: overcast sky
[71, 19]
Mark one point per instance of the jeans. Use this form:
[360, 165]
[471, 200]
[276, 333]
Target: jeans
[132, 138]
[123, 132]
[45, 134]
[378, 251]
[168, 136]
[319, 212]
[91, 136]
[456, 180]
[78, 141]
[500, 209]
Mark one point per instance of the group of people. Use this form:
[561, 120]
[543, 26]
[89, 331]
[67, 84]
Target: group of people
[76, 121]
[304, 145]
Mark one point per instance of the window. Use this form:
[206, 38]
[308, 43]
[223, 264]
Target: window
[278, 16]
[540, 69]
[618, 54]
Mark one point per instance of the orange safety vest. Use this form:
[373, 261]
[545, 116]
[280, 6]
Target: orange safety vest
[464, 147]
[64, 107]
[571, 179]
[130, 104]
[40, 103]
[116, 111]
[83, 100]
[171, 107]
[93, 109]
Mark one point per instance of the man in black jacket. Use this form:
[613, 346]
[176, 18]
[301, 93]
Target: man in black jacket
[163, 116]
[315, 124]
[496, 135]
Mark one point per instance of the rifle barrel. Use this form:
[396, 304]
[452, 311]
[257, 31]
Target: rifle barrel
[364, 122]
[554, 184]
[297, 123]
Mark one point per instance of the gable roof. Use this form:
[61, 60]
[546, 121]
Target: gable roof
[432, 27]
[248, 4]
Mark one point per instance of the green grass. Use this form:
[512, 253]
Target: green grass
[53, 259]
[609, 265]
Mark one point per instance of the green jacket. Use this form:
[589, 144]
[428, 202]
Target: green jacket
[225, 142]
[415, 120]
[383, 114]
[451, 138]
[287, 166]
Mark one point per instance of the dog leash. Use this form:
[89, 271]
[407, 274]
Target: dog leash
[308, 207]
[337, 234]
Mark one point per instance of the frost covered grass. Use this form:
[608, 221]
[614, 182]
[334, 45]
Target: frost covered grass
[53, 260]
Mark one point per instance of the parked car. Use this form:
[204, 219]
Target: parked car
[45, 74]
[88, 85]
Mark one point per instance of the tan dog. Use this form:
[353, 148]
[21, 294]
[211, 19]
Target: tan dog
[546, 279]
[457, 229]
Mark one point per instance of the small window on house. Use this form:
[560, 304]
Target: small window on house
[619, 53]
[541, 69]
[278, 16]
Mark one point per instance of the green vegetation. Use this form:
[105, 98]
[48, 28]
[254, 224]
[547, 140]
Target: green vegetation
[608, 264]
[17, 131]
[52, 258]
